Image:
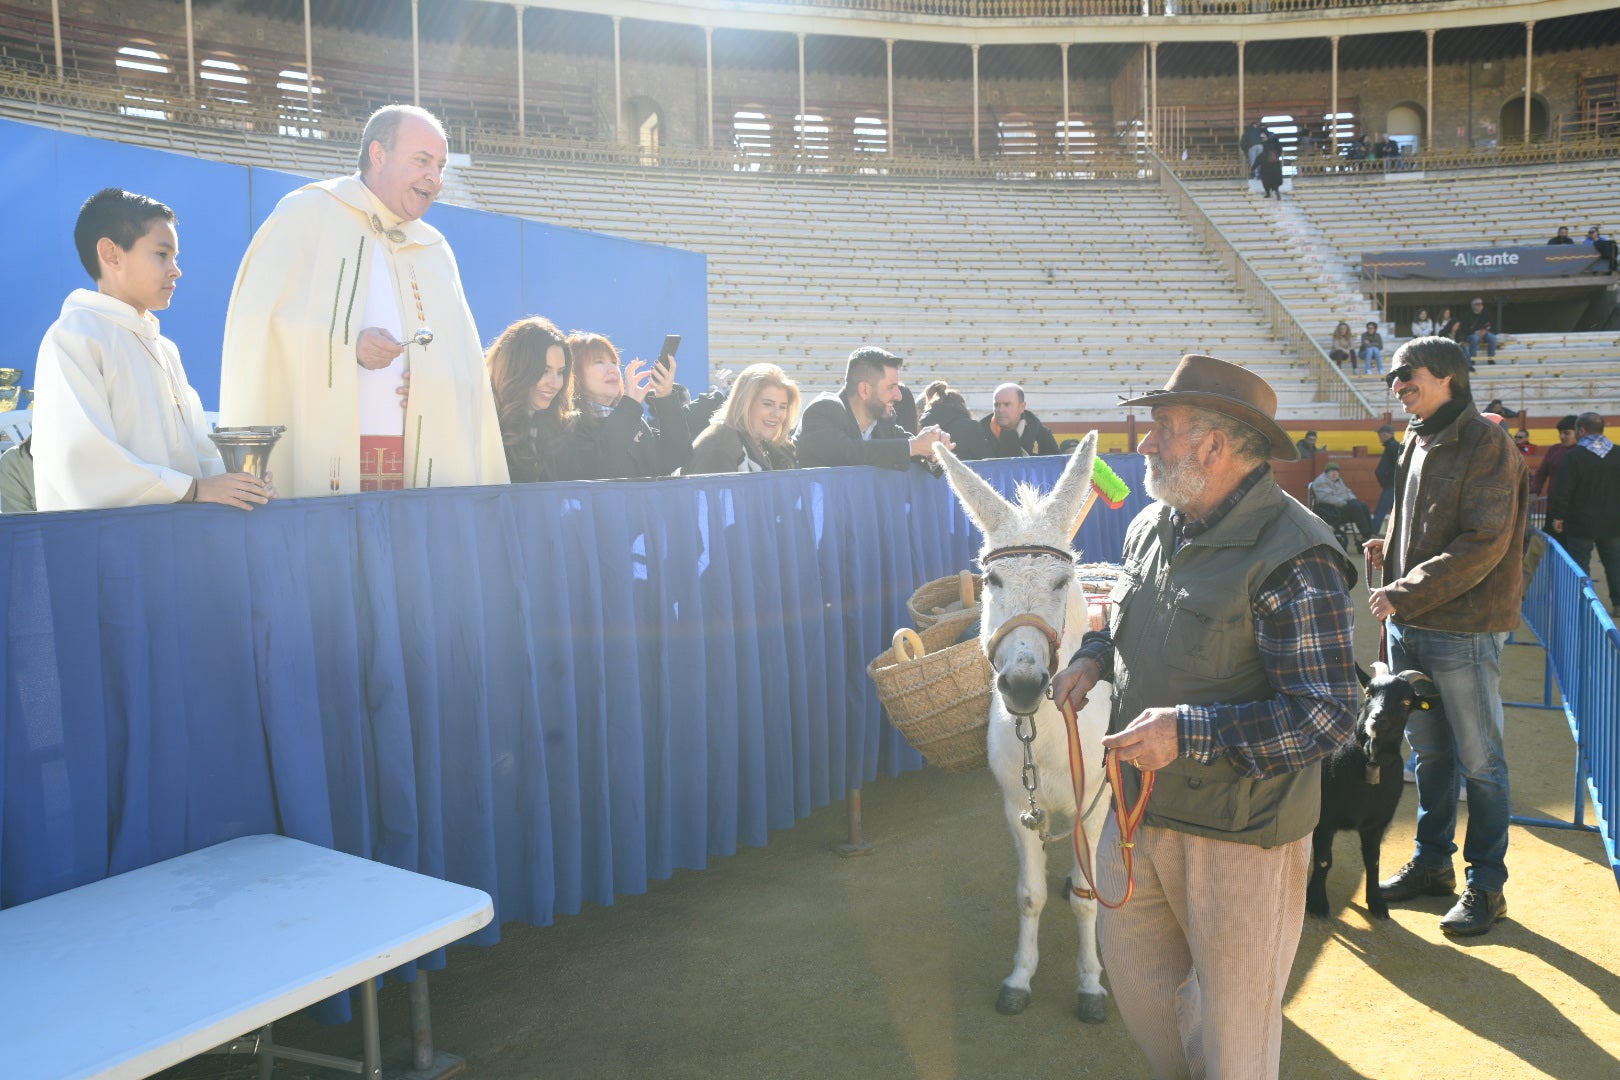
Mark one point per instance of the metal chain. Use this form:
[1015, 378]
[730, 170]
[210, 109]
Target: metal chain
[1034, 818]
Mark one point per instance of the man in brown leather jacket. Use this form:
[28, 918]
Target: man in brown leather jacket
[1452, 590]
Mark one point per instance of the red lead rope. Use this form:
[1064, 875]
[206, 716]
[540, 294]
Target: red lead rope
[1129, 818]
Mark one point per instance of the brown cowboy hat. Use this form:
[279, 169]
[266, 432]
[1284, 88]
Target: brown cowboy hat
[1208, 383]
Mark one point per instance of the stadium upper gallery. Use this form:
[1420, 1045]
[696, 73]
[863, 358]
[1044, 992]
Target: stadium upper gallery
[1048, 190]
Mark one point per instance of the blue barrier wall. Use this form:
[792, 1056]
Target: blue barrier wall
[635, 293]
[552, 692]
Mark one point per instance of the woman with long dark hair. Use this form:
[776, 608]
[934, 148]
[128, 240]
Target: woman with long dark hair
[528, 367]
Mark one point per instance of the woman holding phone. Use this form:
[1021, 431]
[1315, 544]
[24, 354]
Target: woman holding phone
[605, 435]
[528, 366]
[750, 433]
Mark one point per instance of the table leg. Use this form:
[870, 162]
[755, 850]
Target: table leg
[421, 1024]
[371, 1067]
[267, 1057]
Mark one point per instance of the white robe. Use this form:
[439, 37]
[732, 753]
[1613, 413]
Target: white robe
[296, 311]
[115, 421]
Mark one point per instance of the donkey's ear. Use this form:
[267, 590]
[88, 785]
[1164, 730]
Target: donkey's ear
[984, 505]
[1067, 504]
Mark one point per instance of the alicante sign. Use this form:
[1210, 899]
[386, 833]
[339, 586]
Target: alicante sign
[1452, 264]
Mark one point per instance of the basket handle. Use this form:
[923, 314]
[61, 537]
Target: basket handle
[908, 644]
[964, 581]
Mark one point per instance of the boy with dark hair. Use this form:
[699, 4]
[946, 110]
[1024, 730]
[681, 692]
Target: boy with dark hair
[115, 421]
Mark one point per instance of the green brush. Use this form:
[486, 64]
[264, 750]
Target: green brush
[1107, 484]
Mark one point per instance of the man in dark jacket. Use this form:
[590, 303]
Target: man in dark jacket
[1230, 653]
[1013, 429]
[856, 426]
[1585, 508]
[1388, 462]
[1542, 482]
[1453, 581]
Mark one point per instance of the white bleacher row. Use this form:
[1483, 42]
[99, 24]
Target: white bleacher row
[1079, 291]
[1524, 205]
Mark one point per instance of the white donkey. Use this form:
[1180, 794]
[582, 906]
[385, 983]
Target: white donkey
[1029, 571]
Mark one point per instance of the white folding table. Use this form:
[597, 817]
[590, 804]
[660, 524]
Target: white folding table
[129, 975]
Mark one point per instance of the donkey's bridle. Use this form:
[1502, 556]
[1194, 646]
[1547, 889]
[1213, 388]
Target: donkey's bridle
[1054, 638]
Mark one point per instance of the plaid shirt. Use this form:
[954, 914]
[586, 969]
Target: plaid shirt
[1303, 622]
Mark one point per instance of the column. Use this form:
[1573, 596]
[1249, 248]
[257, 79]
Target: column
[1243, 120]
[1529, 43]
[416, 54]
[975, 49]
[801, 93]
[191, 54]
[1335, 99]
[888, 125]
[56, 33]
[618, 85]
[1428, 100]
[1064, 49]
[309, 72]
[517, 9]
[1153, 99]
[1142, 134]
[708, 77]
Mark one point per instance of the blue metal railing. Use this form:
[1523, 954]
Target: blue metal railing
[1583, 665]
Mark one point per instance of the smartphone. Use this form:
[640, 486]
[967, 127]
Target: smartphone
[672, 344]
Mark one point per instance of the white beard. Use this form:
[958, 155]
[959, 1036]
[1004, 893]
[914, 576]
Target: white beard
[1177, 486]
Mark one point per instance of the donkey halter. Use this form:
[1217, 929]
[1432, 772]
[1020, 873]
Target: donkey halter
[1054, 638]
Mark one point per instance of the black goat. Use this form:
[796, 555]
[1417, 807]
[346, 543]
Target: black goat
[1362, 780]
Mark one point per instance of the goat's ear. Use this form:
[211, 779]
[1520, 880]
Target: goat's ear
[984, 505]
[1071, 495]
[1364, 678]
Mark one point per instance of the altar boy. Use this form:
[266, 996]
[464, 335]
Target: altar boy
[115, 421]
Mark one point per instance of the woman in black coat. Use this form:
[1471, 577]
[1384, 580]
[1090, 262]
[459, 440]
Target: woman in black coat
[605, 435]
[751, 431]
[948, 409]
[528, 366]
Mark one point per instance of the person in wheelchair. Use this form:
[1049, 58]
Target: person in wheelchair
[1334, 502]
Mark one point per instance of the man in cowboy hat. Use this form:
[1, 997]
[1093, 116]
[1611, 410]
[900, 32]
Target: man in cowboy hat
[1230, 655]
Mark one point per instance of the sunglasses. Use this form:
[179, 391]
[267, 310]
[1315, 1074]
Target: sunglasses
[1403, 373]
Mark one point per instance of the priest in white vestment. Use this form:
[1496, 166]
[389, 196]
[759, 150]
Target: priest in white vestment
[334, 287]
[115, 421]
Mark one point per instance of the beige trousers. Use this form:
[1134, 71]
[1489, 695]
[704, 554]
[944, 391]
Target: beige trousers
[1199, 958]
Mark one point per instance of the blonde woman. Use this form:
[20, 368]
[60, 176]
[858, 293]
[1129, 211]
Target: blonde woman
[750, 434]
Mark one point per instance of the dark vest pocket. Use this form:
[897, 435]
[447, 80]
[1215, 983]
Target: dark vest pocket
[1210, 797]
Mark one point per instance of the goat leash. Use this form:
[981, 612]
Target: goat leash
[1129, 818]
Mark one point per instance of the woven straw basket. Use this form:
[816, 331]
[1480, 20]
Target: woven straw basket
[944, 596]
[938, 699]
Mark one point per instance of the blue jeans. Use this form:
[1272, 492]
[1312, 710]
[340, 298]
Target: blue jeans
[1463, 734]
[1473, 343]
[1608, 549]
[1372, 359]
[1386, 503]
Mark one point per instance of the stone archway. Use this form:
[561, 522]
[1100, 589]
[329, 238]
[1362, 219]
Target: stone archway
[1511, 124]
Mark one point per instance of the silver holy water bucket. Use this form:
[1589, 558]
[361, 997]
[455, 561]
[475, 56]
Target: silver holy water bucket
[247, 449]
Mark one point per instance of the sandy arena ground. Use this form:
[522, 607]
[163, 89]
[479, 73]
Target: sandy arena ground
[790, 961]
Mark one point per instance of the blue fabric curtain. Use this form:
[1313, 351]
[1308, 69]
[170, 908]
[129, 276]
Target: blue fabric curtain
[550, 692]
